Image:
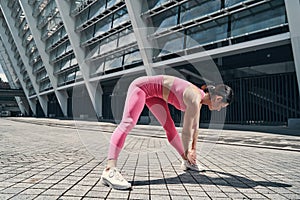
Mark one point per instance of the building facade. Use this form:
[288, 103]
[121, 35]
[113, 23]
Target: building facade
[76, 58]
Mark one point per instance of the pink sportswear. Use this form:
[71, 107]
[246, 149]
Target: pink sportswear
[149, 90]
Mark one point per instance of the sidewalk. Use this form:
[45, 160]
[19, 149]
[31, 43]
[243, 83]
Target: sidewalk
[63, 159]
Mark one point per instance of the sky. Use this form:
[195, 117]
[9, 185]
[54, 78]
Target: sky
[2, 75]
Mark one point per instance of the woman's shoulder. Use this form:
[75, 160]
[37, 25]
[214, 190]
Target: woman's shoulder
[192, 95]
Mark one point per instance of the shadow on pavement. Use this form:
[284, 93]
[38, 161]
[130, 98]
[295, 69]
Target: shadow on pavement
[223, 179]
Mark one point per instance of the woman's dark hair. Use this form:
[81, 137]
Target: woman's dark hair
[221, 90]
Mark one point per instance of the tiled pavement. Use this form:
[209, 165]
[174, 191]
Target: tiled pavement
[53, 159]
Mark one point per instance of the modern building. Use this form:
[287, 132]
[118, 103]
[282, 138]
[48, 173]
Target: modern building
[76, 58]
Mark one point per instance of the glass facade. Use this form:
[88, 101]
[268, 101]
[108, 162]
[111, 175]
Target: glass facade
[95, 42]
[201, 23]
[57, 43]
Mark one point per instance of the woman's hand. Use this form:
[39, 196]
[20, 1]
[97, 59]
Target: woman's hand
[191, 156]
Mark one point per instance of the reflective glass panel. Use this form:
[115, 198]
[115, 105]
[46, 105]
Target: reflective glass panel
[108, 44]
[133, 57]
[96, 8]
[229, 3]
[65, 64]
[97, 67]
[171, 43]
[73, 61]
[120, 17]
[111, 3]
[114, 63]
[87, 34]
[257, 18]
[195, 9]
[166, 19]
[155, 3]
[103, 26]
[126, 37]
[82, 17]
[206, 33]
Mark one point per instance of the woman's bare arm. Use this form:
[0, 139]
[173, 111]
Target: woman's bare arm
[191, 120]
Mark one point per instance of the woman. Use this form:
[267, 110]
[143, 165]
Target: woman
[156, 92]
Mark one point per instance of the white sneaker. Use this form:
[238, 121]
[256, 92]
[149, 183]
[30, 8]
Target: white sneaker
[114, 179]
[186, 165]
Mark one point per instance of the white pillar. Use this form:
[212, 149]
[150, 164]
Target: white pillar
[11, 77]
[293, 15]
[61, 95]
[94, 90]
[13, 60]
[141, 31]
[7, 12]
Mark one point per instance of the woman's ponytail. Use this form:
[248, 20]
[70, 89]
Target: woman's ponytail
[208, 89]
[221, 90]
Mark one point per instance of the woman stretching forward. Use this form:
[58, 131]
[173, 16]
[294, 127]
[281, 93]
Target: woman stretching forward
[156, 92]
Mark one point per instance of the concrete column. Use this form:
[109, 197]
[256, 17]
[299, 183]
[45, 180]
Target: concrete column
[61, 95]
[10, 54]
[141, 31]
[94, 90]
[293, 15]
[8, 71]
[7, 12]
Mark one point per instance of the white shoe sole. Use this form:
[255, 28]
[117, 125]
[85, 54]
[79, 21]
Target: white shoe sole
[184, 168]
[105, 182]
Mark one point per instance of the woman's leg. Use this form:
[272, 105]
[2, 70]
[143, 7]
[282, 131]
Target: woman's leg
[134, 105]
[160, 110]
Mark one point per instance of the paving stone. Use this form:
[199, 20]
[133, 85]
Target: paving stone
[57, 165]
[46, 197]
[6, 196]
[53, 192]
[23, 197]
[33, 191]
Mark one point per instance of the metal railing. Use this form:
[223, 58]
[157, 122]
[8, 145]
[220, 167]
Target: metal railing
[265, 100]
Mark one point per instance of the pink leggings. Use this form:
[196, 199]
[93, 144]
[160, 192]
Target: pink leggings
[136, 98]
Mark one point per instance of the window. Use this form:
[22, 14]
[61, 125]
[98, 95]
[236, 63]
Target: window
[82, 18]
[155, 3]
[171, 43]
[41, 75]
[45, 85]
[88, 33]
[207, 32]
[113, 63]
[70, 76]
[61, 50]
[68, 46]
[97, 67]
[65, 63]
[92, 51]
[111, 3]
[96, 9]
[79, 75]
[166, 19]
[37, 66]
[229, 3]
[257, 18]
[76, 4]
[126, 37]
[73, 60]
[132, 58]
[195, 9]
[120, 17]
[103, 26]
[109, 44]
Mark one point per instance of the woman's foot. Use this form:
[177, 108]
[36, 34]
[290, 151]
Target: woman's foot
[186, 165]
[112, 178]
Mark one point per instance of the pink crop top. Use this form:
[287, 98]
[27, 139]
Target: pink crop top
[153, 86]
[176, 93]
